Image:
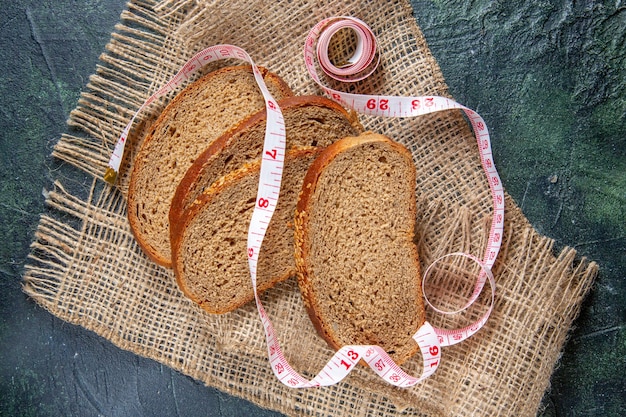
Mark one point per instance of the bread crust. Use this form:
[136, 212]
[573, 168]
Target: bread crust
[138, 164]
[179, 202]
[301, 224]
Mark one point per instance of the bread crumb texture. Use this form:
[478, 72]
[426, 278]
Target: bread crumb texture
[211, 262]
[362, 275]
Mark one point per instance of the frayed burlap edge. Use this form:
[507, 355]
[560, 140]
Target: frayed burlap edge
[93, 273]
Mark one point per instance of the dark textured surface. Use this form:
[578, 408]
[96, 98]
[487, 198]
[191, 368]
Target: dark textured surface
[549, 79]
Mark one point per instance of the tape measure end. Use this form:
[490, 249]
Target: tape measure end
[110, 176]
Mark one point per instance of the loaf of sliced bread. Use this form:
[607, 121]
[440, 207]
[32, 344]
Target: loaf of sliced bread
[357, 263]
[209, 253]
[309, 121]
[192, 121]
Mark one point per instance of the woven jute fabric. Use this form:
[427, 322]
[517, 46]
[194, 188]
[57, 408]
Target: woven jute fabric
[86, 268]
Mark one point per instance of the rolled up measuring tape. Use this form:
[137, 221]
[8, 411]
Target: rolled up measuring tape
[344, 360]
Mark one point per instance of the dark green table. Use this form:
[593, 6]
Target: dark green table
[548, 77]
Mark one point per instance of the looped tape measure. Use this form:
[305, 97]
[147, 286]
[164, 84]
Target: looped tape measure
[360, 65]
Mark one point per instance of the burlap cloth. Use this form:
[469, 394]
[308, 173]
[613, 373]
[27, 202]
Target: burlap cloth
[86, 268]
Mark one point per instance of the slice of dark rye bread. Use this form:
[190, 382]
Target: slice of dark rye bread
[192, 121]
[209, 253]
[309, 121]
[357, 263]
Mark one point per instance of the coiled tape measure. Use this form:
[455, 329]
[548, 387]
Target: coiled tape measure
[360, 65]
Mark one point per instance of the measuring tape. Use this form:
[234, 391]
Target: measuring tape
[360, 65]
[393, 106]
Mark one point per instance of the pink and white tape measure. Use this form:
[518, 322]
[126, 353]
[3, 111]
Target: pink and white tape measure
[359, 66]
[394, 106]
